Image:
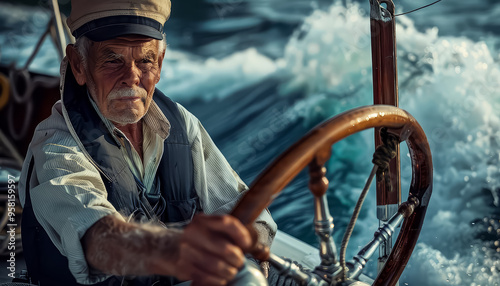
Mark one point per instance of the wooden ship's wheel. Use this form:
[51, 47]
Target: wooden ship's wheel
[314, 149]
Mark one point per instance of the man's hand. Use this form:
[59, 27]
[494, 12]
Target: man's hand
[211, 250]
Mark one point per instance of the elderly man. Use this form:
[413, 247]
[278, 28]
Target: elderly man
[117, 153]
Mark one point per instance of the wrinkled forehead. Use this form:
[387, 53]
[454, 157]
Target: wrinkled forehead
[130, 41]
[138, 44]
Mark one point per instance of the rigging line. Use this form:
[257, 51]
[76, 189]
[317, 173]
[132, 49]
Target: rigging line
[352, 222]
[418, 8]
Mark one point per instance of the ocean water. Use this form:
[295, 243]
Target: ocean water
[260, 74]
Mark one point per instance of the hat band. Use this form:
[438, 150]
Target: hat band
[113, 20]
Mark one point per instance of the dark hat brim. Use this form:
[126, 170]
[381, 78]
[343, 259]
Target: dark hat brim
[114, 31]
[111, 27]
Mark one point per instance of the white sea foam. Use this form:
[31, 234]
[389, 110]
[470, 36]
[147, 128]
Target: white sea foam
[187, 77]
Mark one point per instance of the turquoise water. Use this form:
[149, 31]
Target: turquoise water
[260, 74]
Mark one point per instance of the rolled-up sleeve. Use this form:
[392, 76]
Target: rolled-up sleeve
[218, 185]
[69, 196]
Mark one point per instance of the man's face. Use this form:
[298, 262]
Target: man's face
[121, 77]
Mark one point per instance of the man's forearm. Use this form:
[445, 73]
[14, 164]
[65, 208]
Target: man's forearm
[116, 247]
[210, 249]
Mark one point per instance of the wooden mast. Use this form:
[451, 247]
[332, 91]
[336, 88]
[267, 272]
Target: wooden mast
[385, 91]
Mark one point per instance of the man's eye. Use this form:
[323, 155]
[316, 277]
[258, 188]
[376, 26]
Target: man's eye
[146, 61]
[112, 61]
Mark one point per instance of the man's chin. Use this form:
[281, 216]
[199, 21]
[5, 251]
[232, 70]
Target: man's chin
[125, 120]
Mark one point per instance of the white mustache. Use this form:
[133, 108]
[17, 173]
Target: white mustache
[127, 92]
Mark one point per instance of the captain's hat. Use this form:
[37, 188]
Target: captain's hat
[102, 20]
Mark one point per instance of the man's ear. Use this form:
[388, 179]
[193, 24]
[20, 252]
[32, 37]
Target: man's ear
[76, 63]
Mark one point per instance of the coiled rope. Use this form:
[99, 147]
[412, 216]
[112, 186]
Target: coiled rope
[383, 155]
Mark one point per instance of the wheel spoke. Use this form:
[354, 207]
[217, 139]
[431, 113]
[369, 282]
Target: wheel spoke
[383, 234]
[286, 267]
[323, 221]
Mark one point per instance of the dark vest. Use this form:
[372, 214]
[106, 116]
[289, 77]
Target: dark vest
[173, 197]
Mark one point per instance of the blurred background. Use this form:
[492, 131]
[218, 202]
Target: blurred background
[259, 74]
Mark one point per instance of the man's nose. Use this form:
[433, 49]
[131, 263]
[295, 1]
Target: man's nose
[131, 75]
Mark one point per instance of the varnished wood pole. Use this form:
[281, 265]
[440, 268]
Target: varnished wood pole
[385, 91]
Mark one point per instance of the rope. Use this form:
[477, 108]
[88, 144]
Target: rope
[59, 37]
[352, 223]
[381, 158]
[20, 78]
[383, 155]
[425, 6]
